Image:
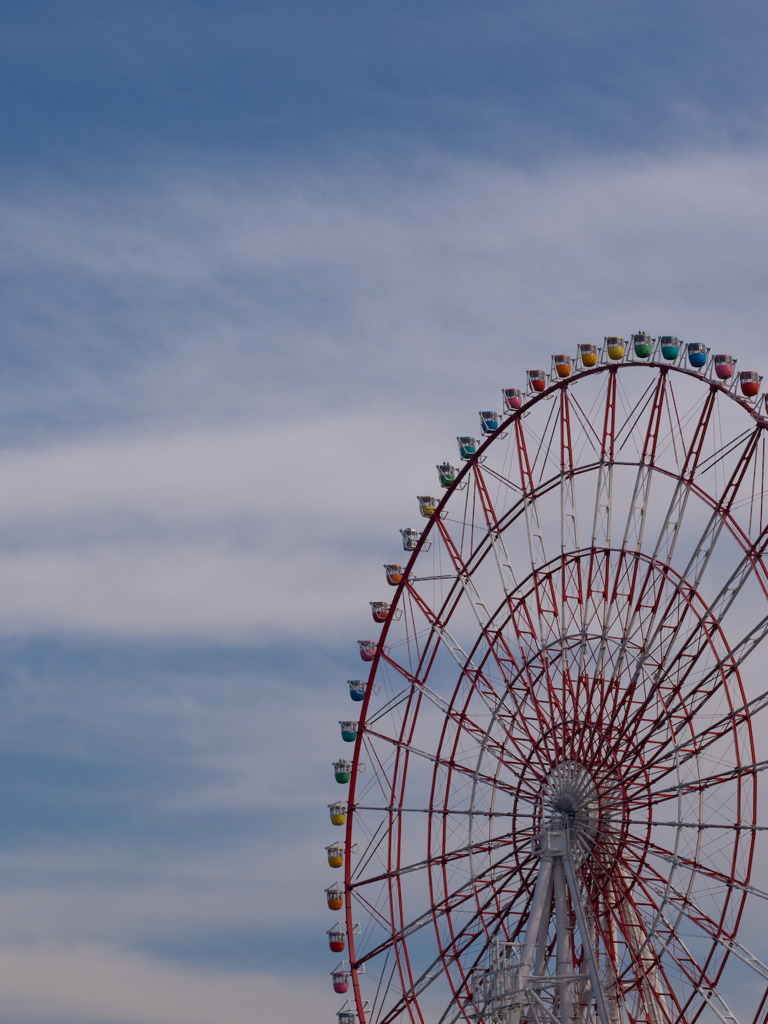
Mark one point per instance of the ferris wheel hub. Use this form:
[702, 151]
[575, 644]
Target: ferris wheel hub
[570, 802]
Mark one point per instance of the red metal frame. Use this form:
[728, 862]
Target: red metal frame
[602, 654]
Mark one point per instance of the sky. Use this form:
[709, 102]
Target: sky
[260, 264]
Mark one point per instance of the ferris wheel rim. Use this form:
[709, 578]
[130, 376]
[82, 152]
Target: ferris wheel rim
[466, 470]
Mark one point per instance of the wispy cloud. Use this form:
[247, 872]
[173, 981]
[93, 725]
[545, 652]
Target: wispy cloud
[236, 533]
[212, 294]
[308, 349]
[102, 984]
[253, 375]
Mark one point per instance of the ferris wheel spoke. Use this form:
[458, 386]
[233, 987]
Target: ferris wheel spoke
[683, 715]
[636, 515]
[388, 772]
[440, 632]
[669, 681]
[532, 668]
[397, 809]
[712, 998]
[518, 719]
[376, 915]
[541, 672]
[532, 674]
[416, 684]
[410, 993]
[493, 531]
[518, 716]
[709, 735]
[669, 940]
[717, 876]
[672, 524]
[441, 907]
[439, 860]
[535, 660]
[569, 527]
[409, 678]
[729, 943]
[585, 420]
[698, 561]
[462, 659]
[695, 638]
[571, 591]
[596, 587]
[464, 578]
[511, 709]
[547, 609]
[601, 521]
[751, 562]
[462, 721]
[544, 442]
[438, 623]
[494, 534]
[546, 602]
[694, 865]
[723, 451]
[633, 411]
[455, 766]
[373, 847]
[537, 669]
[643, 608]
[702, 987]
[698, 636]
[535, 706]
[699, 826]
[456, 1012]
[384, 786]
[386, 977]
[460, 942]
[645, 972]
[523, 720]
[571, 581]
[683, 904]
[703, 783]
[706, 735]
[684, 698]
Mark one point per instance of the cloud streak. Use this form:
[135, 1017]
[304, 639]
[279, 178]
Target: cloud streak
[216, 293]
[323, 341]
[254, 374]
[101, 984]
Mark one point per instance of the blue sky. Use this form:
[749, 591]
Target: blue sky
[260, 264]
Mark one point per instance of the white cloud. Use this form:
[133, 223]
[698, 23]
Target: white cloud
[88, 982]
[229, 533]
[321, 341]
[251, 376]
[188, 901]
[214, 294]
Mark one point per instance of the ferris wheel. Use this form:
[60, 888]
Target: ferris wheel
[551, 810]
